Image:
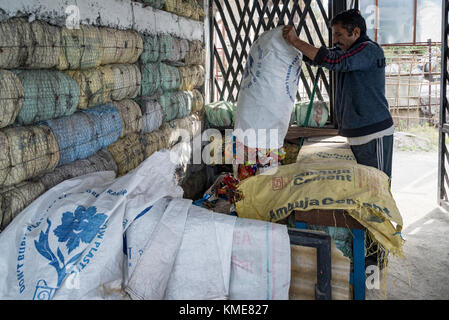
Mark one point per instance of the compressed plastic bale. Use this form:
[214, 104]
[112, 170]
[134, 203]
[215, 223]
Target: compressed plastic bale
[198, 12]
[151, 48]
[151, 114]
[131, 116]
[11, 97]
[120, 46]
[174, 129]
[170, 78]
[127, 81]
[26, 152]
[186, 107]
[154, 141]
[165, 45]
[100, 161]
[196, 54]
[48, 94]
[174, 105]
[158, 4]
[96, 85]
[318, 115]
[81, 48]
[172, 5]
[127, 152]
[220, 113]
[46, 46]
[188, 80]
[85, 132]
[16, 198]
[199, 75]
[198, 101]
[179, 49]
[151, 79]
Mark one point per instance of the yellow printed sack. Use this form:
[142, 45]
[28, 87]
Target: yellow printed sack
[364, 192]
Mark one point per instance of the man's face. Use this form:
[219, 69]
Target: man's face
[342, 38]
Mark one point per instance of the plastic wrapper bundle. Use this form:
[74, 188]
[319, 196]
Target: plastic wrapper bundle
[85, 132]
[151, 49]
[170, 78]
[26, 152]
[151, 114]
[198, 101]
[96, 85]
[220, 113]
[127, 81]
[154, 141]
[192, 125]
[120, 46]
[34, 45]
[151, 79]
[165, 45]
[158, 4]
[175, 104]
[16, 198]
[11, 97]
[100, 161]
[131, 116]
[185, 8]
[179, 49]
[191, 77]
[48, 95]
[128, 153]
[318, 115]
[196, 53]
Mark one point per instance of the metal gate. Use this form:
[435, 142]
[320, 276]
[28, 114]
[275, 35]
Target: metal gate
[235, 25]
[443, 155]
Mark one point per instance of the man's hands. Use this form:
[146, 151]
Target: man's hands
[289, 34]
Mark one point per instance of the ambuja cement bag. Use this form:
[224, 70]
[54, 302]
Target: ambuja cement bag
[268, 88]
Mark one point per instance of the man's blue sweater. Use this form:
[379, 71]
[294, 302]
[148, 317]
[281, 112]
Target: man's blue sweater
[360, 103]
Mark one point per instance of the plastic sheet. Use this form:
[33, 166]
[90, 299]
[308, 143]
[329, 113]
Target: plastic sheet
[11, 97]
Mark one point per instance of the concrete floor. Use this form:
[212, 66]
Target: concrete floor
[424, 272]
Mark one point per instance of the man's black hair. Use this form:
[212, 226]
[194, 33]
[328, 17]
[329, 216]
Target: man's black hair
[349, 20]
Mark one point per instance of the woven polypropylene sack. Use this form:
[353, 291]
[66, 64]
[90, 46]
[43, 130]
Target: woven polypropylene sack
[198, 101]
[151, 79]
[318, 114]
[29, 45]
[151, 114]
[48, 95]
[196, 53]
[127, 81]
[179, 49]
[170, 78]
[101, 161]
[81, 48]
[120, 46]
[174, 105]
[131, 116]
[165, 45]
[127, 153]
[11, 97]
[16, 198]
[158, 4]
[220, 113]
[151, 48]
[26, 152]
[96, 85]
[85, 132]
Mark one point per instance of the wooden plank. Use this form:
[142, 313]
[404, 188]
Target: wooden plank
[295, 132]
[329, 218]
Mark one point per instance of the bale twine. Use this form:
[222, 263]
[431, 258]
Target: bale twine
[131, 116]
[96, 85]
[153, 142]
[26, 152]
[127, 153]
[85, 132]
[179, 49]
[127, 81]
[151, 48]
[196, 53]
[101, 161]
[197, 101]
[33, 45]
[165, 45]
[158, 4]
[318, 115]
[120, 46]
[151, 114]
[174, 105]
[220, 113]
[11, 97]
[151, 79]
[170, 78]
[81, 48]
[48, 95]
[16, 198]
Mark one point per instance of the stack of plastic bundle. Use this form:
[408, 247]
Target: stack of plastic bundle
[196, 53]
[81, 48]
[151, 114]
[151, 79]
[85, 132]
[175, 129]
[48, 94]
[26, 152]
[120, 46]
[131, 116]
[197, 101]
[174, 105]
[127, 81]
[100, 161]
[154, 141]
[127, 152]
[220, 113]
[158, 4]
[96, 85]
[34, 45]
[11, 97]
[179, 49]
[15, 198]
[170, 78]
[151, 48]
